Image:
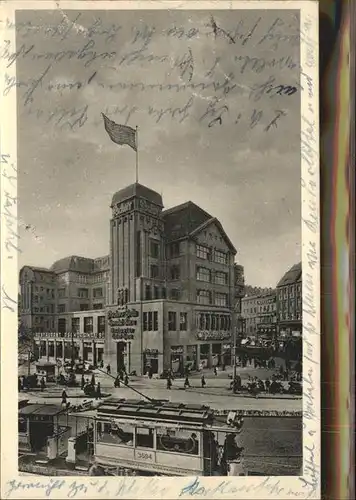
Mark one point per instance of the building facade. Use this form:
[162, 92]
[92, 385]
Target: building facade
[163, 298]
[289, 303]
[260, 314]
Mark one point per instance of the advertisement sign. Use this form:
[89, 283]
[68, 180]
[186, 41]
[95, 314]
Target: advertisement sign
[206, 335]
[123, 323]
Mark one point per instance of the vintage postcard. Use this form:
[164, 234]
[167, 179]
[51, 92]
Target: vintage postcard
[160, 250]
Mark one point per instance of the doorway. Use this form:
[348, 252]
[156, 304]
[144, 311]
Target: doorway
[120, 356]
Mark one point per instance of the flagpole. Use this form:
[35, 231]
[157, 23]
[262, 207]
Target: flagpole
[136, 154]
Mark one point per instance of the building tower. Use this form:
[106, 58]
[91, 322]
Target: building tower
[136, 243]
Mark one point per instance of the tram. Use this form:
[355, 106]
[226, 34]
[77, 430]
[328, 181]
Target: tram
[135, 437]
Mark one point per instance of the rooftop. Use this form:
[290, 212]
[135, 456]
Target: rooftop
[293, 275]
[183, 219]
[137, 190]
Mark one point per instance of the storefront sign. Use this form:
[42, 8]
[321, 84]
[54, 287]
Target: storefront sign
[206, 335]
[123, 334]
[123, 323]
[177, 350]
[151, 352]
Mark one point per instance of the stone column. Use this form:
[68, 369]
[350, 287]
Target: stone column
[47, 350]
[210, 356]
[198, 356]
[55, 349]
[81, 349]
[93, 348]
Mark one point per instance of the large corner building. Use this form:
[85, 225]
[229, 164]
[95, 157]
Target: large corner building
[164, 296]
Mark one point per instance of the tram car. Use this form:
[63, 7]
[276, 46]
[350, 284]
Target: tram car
[134, 437]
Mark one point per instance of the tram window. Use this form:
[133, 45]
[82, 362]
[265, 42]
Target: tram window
[22, 425]
[112, 433]
[144, 437]
[178, 441]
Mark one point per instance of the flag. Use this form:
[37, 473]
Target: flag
[120, 134]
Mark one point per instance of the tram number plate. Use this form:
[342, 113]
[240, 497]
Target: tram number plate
[144, 456]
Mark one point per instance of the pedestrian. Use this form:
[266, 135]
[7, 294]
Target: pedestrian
[203, 383]
[108, 369]
[150, 373]
[126, 380]
[186, 382]
[267, 384]
[101, 364]
[169, 382]
[64, 399]
[215, 371]
[98, 391]
[93, 380]
[117, 382]
[42, 384]
[121, 372]
[82, 382]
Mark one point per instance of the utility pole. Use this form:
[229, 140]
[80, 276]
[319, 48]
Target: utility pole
[73, 360]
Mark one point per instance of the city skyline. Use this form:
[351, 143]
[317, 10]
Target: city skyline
[243, 175]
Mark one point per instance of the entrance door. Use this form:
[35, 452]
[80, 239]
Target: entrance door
[39, 431]
[120, 356]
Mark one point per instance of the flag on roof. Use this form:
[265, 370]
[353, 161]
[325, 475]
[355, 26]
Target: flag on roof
[120, 134]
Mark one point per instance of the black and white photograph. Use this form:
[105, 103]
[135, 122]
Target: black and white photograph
[160, 267]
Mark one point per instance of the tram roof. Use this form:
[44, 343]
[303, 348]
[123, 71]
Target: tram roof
[41, 409]
[131, 408]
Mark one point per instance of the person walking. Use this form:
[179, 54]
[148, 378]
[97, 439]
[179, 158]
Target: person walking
[64, 399]
[108, 369]
[267, 384]
[203, 383]
[215, 371]
[42, 384]
[82, 382]
[98, 391]
[126, 379]
[93, 380]
[117, 382]
[169, 382]
[186, 382]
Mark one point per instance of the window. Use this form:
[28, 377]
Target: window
[203, 297]
[97, 293]
[148, 292]
[156, 292]
[221, 299]
[220, 278]
[203, 274]
[98, 306]
[213, 322]
[61, 308]
[101, 324]
[220, 257]
[172, 321]
[62, 326]
[174, 272]
[61, 293]
[178, 441]
[164, 292]
[154, 271]
[183, 321]
[88, 324]
[174, 250]
[154, 249]
[84, 307]
[175, 294]
[83, 293]
[22, 425]
[144, 437]
[112, 433]
[202, 252]
[150, 321]
[155, 321]
[75, 325]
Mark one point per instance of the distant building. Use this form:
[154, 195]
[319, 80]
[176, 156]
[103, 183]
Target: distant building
[289, 302]
[163, 298]
[260, 314]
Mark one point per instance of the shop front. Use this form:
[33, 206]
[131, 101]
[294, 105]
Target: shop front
[150, 361]
[177, 361]
[211, 349]
[226, 354]
[192, 357]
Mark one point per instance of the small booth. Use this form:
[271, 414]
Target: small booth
[40, 431]
[47, 370]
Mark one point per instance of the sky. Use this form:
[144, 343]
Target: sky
[68, 169]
